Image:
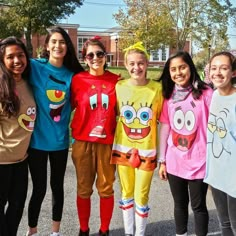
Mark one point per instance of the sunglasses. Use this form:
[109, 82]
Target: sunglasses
[99, 54]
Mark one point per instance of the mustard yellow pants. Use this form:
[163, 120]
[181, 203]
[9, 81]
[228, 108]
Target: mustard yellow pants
[92, 163]
[135, 184]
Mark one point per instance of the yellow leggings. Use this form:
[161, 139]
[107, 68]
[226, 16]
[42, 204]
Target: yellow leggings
[135, 184]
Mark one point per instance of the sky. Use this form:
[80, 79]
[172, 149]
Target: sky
[97, 15]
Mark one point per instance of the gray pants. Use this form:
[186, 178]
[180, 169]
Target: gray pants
[226, 209]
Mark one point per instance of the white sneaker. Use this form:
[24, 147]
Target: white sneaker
[55, 234]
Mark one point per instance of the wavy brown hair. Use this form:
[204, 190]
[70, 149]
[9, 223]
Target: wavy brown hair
[10, 103]
[232, 60]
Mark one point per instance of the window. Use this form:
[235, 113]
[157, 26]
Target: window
[160, 55]
[163, 53]
[154, 55]
[81, 42]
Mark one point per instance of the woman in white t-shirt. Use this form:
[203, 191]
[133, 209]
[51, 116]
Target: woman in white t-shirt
[221, 140]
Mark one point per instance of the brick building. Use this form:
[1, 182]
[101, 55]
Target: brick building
[38, 40]
[110, 39]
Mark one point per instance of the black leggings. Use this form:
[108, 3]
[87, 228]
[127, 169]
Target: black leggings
[181, 189]
[13, 192]
[38, 160]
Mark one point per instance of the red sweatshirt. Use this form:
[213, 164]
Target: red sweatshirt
[94, 100]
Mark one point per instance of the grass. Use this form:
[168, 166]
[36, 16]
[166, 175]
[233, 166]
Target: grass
[152, 73]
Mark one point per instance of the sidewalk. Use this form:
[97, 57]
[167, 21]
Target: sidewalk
[160, 221]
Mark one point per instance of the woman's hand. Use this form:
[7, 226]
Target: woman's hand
[162, 171]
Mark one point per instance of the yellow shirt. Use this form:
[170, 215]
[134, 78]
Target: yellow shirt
[139, 109]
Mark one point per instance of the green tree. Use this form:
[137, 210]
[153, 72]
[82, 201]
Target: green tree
[146, 21]
[163, 22]
[210, 28]
[33, 16]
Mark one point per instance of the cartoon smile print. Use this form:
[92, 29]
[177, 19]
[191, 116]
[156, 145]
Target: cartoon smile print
[216, 126]
[98, 131]
[99, 103]
[136, 123]
[26, 121]
[56, 96]
[184, 122]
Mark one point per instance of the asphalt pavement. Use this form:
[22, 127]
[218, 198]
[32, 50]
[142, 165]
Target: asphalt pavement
[160, 221]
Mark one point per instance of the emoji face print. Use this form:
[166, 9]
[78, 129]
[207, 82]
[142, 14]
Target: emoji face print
[136, 121]
[26, 121]
[216, 126]
[57, 96]
[184, 128]
[99, 104]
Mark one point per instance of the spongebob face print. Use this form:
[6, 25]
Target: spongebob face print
[136, 121]
[184, 127]
[216, 126]
[56, 94]
[26, 121]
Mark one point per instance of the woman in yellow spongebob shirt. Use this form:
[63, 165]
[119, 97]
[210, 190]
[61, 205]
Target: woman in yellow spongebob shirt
[135, 144]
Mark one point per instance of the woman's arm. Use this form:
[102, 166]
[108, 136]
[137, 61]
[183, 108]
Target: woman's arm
[164, 134]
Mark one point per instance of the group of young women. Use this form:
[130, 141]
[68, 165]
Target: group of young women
[115, 124]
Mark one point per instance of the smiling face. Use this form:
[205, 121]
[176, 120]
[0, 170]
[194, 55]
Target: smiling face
[180, 72]
[221, 73]
[136, 64]
[95, 58]
[15, 60]
[57, 47]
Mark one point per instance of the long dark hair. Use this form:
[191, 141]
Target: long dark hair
[168, 84]
[71, 61]
[8, 98]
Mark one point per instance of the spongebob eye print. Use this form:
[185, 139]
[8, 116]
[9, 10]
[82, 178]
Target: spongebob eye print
[184, 131]
[217, 128]
[57, 97]
[136, 123]
[26, 121]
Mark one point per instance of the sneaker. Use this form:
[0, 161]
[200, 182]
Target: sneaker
[103, 233]
[55, 234]
[82, 233]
